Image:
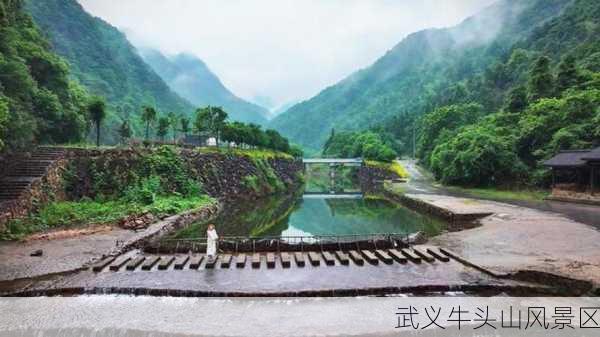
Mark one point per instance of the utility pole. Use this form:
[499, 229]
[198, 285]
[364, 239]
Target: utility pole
[414, 142]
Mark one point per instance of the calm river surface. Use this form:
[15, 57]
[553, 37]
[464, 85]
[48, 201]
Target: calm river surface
[307, 215]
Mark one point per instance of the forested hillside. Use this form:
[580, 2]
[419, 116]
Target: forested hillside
[540, 97]
[103, 60]
[426, 69]
[38, 101]
[189, 77]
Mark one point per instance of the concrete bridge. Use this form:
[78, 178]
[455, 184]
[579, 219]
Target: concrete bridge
[334, 161]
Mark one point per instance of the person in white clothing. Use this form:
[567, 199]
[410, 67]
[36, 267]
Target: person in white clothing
[211, 241]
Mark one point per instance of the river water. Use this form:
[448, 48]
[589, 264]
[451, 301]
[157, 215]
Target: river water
[319, 211]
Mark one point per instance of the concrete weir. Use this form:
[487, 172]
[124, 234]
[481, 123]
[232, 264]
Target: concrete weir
[420, 269]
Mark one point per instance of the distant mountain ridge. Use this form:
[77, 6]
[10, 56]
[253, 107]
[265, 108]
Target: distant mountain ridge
[408, 79]
[103, 60]
[191, 78]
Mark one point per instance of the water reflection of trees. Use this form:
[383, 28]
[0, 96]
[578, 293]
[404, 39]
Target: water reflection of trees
[260, 217]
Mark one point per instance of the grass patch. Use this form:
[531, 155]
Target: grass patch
[251, 182]
[499, 194]
[251, 153]
[398, 189]
[69, 214]
[394, 167]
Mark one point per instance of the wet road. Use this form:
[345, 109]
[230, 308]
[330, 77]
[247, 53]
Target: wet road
[422, 182]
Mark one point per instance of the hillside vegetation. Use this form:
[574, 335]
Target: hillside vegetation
[422, 71]
[38, 100]
[103, 60]
[486, 100]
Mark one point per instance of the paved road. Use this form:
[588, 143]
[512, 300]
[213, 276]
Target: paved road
[421, 181]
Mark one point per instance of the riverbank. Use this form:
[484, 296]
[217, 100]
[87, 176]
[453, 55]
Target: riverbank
[107, 193]
[512, 239]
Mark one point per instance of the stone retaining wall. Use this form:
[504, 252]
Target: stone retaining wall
[371, 179]
[226, 176]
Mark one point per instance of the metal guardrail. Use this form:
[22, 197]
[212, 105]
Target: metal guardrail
[287, 243]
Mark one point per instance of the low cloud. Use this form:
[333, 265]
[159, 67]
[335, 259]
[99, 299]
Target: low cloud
[286, 50]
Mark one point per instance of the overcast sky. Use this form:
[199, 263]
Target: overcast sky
[283, 50]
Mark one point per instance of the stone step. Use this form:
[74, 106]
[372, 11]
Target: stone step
[165, 262]
[410, 255]
[383, 256]
[100, 265]
[438, 254]
[119, 263]
[196, 261]
[270, 260]
[226, 261]
[356, 257]
[181, 261]
[342, 257]
[12, 191]
[370, 257]
[135, 263]
[299, 257]
[314, 259]
[398, 256]
[211, 262]
[424, 255]
[240, 260]
[20, 183]
[285, 260]
[150, 262]
[8, 197]
[328, 258]
[256, 260]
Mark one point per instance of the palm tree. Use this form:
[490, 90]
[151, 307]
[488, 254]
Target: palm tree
[148, 116]
[97, 111]
[163, 127]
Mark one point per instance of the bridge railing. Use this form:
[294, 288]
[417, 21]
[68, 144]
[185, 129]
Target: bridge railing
[237, 244]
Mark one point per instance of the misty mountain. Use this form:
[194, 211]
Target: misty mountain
[102, 59]
[191, 78]
[409, 78]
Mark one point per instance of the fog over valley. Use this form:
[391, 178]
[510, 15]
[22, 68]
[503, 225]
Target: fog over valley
[274, 52]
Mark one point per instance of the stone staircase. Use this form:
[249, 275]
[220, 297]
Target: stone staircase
[26, 179]
[26, 170]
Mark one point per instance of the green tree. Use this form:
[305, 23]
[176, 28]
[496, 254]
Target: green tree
[97, 111]
[125, 131]
[477, 156]
[541, 81]
[517, 99]
[568, 75]
[164, 123]
[184, 123]
[173, 123]
[149, 115]
[211, 119]
[443, 122]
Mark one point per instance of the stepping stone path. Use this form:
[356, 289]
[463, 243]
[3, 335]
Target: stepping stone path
[399, 257]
